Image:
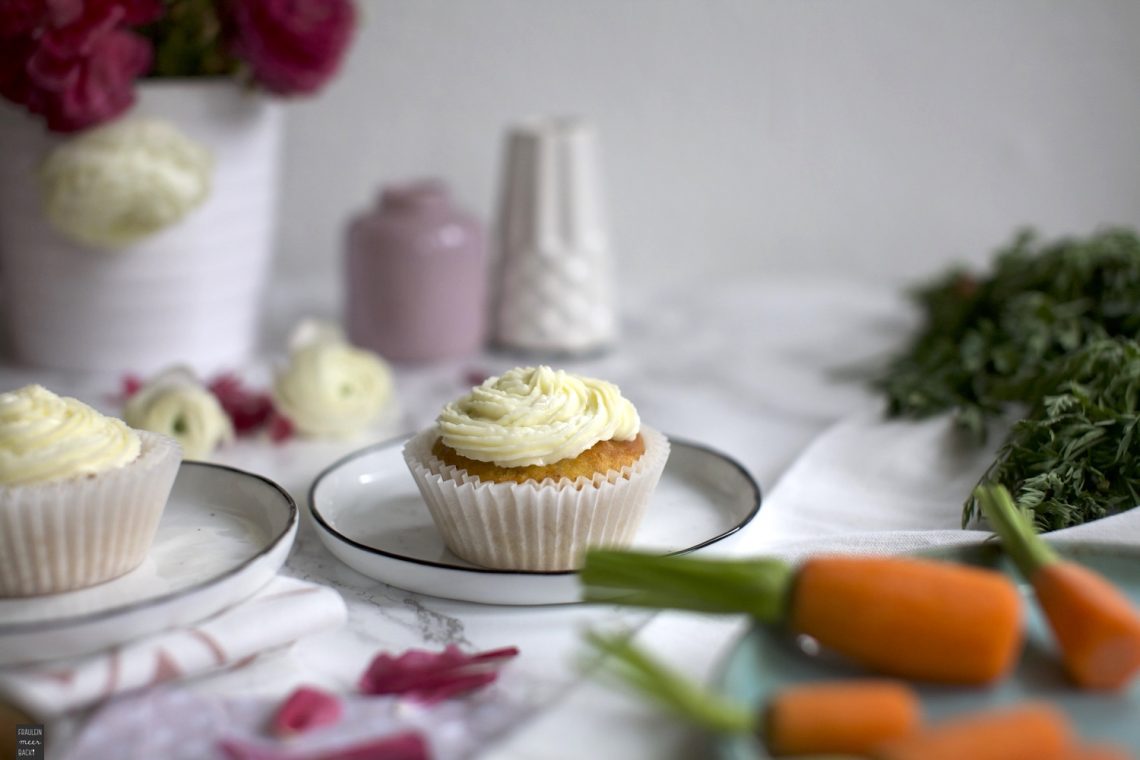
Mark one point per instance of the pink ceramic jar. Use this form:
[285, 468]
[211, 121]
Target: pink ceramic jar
[416, 273]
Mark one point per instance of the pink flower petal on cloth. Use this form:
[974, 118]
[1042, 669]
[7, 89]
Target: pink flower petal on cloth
[405, 746]
[431, 677]
[305, 709]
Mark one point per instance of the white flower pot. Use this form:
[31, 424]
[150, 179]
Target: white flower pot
[189, 294]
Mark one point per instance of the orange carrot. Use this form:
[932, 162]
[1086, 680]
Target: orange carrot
[1100, 752]
[920, 619]
[1096, 627]
[906, 617]
[850, 717]
[1033, 731]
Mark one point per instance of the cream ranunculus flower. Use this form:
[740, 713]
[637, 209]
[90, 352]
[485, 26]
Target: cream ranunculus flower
[176, 404]
[330, 388]
[114, 185]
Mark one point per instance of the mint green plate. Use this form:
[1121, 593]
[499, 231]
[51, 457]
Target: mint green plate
[765, 659]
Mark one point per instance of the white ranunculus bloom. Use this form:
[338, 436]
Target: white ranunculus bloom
[175, 403]
[114, 185]
[329, 387]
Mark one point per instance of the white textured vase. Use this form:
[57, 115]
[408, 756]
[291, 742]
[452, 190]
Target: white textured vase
[189, 294]
[554, 280]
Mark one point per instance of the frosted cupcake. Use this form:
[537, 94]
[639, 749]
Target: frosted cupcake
[532, 467]
[80, 493]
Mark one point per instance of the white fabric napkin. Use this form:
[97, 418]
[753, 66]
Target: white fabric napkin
[282, 612]
[876, 486]
[178, 724]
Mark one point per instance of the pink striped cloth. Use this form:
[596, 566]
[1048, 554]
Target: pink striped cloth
[285, 610]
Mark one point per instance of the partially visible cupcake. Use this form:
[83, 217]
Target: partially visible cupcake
[81, 494]
[532, 467]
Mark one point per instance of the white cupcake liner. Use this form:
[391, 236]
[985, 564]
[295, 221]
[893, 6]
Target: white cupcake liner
[67, 534]
[543, 526]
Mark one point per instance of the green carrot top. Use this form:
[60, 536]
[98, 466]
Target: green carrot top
[758, 587]
[1015, 528]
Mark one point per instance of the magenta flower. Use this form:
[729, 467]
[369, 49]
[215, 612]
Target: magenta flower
[19, 17]
[305, 709]
[406, 746]
[431, 677]
[74, 63]
[292, 46]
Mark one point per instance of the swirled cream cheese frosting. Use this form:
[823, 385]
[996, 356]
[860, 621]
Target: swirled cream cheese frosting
[536, 416]
[48, 437]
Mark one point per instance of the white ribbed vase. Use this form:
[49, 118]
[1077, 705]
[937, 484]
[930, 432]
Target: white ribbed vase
[189, 294]
[554, 281]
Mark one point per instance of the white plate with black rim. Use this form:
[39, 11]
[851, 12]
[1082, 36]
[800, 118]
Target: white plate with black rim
[223, 535]
[370, 515]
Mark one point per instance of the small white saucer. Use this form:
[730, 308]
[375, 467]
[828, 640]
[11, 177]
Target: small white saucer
[223, 535]
[370, 515]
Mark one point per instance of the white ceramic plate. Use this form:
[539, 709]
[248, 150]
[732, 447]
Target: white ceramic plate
[369, 514]
[224, 534]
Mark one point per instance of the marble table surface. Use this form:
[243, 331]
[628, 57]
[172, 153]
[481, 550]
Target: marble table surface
[754, 368]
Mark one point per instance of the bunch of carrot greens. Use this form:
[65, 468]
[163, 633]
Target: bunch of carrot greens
[903, 617]
[1053, 329]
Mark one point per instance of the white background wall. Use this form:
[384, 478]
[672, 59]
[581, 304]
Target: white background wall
[874, 138]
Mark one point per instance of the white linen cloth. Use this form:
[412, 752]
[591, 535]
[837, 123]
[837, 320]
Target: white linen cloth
[282, 612]
[876, 486]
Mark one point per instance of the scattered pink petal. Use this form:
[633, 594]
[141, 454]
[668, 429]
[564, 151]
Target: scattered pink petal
[405, 746]
[473, 377]
[235, 749]
[305, 709]
[247, 409]
[130, 385]
[281, 428]
[431, 677]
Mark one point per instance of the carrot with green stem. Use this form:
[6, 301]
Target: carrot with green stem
[1096, 627]
[845, 717]
[906, 617]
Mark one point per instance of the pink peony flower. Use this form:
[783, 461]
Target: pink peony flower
[74, 63]
[431, 677]
[19, 17]
[292, 46]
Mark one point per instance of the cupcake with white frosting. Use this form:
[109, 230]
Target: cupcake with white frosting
[81, 494]
[533, 466]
